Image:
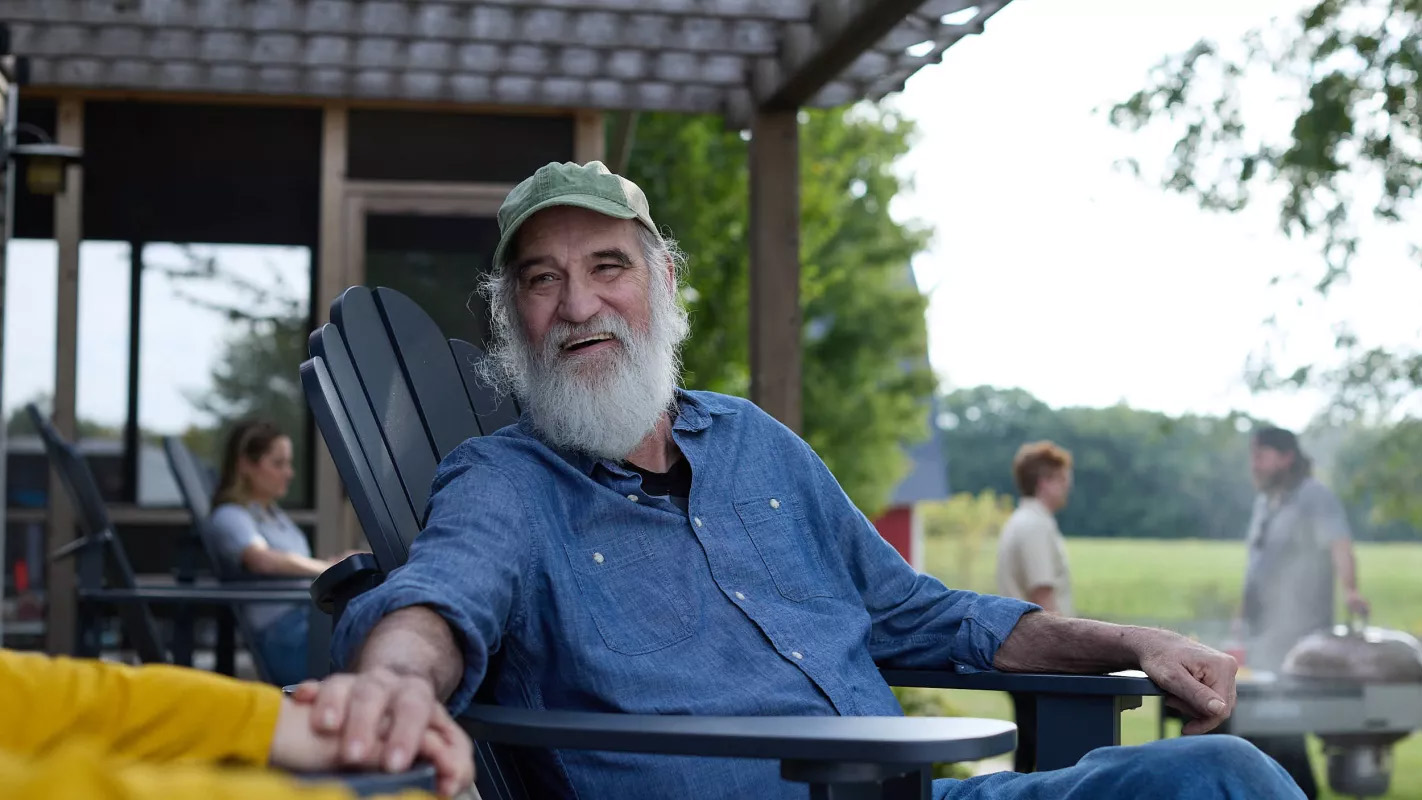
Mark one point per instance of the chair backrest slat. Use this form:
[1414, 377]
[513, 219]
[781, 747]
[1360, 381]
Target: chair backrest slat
[93, 517]
[197, 497]
[431, 370]
[389, 523]
[386, 389]
[495, 410]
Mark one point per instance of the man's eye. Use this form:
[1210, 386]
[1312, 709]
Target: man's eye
[542, 277]
[603, 267]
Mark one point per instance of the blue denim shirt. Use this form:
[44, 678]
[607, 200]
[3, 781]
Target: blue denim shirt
[568, 587]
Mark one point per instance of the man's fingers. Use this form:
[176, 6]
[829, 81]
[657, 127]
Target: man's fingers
[453, 760]
[1201, 699]
[306, 691]
[364, 715]
[332, 697]
[410, 713]
[1195, 727]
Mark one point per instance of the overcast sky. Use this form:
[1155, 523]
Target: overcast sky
[1051, 270]
[1057, 273]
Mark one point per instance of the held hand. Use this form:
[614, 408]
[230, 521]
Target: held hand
[382, 720]
[296, 746]
[1199, 680]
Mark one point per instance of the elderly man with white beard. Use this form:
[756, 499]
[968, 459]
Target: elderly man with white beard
[632, 546]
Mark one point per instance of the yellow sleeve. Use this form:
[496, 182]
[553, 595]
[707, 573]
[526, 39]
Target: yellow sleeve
[150, 713]
[75, 771]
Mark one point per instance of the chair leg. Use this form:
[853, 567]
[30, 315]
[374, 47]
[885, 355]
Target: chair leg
[846, 791]
[226, 644]
[1024, 710]
[1070, 726]
[917, 785]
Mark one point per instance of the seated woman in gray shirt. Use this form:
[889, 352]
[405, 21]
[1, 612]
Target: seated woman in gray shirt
[254, 536]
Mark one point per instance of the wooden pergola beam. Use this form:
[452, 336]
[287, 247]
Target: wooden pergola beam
[814, 54]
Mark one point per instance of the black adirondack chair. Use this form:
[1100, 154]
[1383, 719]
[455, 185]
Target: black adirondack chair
[101, 559]
[196, 489]
[106, 577]
[383, 384]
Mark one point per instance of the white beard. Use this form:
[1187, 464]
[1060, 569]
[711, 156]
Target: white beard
[606, 403]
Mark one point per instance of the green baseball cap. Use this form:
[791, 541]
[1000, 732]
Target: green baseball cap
[591, 186]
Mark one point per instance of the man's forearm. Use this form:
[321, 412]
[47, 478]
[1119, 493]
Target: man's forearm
[1050, 643]
[1345, 565]
[415, 641]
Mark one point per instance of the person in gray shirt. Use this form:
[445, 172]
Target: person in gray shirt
[1298, 545]
[253, 536]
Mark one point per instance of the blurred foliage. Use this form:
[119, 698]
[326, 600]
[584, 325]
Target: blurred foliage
[964, 523]
[256, 373]
[1354, 150]
[866, 380]
[1357, 135]
[1143, 474]
[1137, 473]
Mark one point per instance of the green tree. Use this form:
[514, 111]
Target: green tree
[257, 372]
[1354, 151]
[964, 523]
[866, 380]
[1355, 146]
[1137, 473]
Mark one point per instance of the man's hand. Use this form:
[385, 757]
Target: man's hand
[1357, 604]
[1199, 680]
[380, 720]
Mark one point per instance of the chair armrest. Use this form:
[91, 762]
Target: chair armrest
[344, 580]
[874, 740]
[195, 595]
[1130, 683]
[365, 784]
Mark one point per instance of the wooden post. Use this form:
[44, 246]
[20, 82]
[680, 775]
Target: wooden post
[775, 265]
[589, 143]
[335, 526]
[62, 609]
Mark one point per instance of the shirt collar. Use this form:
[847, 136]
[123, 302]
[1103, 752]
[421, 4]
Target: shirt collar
[694, 413]
[1035, 505]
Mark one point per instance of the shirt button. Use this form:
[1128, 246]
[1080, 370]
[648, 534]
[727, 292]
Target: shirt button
[598, 557]
[774, 503]
[740, 596]
[797, 654]
[632, 497]
[697, 520]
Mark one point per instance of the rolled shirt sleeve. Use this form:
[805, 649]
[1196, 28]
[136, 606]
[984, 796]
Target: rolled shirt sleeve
[468, 565]
[916, 621]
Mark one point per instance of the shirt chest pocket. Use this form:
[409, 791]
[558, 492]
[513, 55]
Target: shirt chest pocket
[627, 589]
[778, 528]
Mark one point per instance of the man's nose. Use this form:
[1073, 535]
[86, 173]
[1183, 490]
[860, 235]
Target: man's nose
[579, 302]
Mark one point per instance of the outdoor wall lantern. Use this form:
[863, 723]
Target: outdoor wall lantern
[45, 165]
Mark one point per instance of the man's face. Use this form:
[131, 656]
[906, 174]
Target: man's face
[576, 269]
[1268, 465]
[1054, 488]
[591, 342]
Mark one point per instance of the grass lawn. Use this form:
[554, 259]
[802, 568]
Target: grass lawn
[1192, 586]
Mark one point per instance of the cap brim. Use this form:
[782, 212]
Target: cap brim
[590, 202]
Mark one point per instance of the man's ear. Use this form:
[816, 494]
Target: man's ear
[671, 273]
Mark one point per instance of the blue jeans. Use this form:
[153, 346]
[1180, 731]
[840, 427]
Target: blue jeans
[282, 645]
[1187, 768]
